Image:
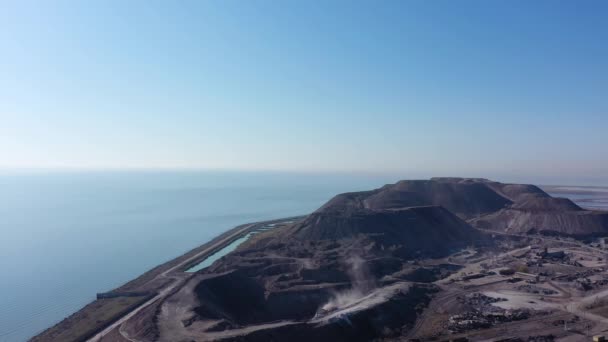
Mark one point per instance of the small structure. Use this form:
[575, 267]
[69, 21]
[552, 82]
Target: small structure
[599, 338]
[559, 255]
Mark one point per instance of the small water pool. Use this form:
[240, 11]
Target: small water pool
[229, 248]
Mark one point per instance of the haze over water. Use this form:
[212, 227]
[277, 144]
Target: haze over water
[67, 236]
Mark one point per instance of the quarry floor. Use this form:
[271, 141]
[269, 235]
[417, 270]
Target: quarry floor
[567, 311]
[585, 311]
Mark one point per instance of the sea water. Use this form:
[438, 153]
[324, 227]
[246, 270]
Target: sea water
[64, 236]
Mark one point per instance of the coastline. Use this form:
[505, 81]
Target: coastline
[149, 275]
[150, 281]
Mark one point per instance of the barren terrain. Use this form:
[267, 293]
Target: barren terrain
[441, 259]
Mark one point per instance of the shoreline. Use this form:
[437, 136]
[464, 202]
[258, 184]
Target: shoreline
[148, 275]
[155, 280]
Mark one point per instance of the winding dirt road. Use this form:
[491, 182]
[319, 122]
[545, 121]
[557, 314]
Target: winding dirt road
[177, 281]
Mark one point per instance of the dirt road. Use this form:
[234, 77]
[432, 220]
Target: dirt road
[178, 280]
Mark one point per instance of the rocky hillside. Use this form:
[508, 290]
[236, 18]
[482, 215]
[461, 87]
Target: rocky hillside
[362, 266]
[463, 197]
[516, 208]
[578, 223]
[408, 231]
[545, 215]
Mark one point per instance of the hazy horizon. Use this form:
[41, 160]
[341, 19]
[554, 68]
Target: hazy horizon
[312, 176]
[508, 90]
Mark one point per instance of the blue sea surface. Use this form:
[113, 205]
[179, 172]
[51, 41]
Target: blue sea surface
[64, 236]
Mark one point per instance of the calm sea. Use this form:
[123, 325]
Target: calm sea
[66, 236]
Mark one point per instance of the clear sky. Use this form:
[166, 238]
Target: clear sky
[438, 87]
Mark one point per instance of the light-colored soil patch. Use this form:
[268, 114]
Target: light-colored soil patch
[518, 300]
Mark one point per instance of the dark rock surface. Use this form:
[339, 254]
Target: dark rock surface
[350, 272]
[462, 196]
[407, 231]
[343, 273]
[513, 208]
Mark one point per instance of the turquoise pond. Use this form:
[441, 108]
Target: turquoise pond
[229, 248]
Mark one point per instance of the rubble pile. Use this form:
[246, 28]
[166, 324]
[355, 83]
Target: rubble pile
[483, 314]
[479, 300]
[539, 338]
[561, 322]
[583, 284]
[483, 318]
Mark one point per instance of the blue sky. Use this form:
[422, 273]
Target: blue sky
[429, 87]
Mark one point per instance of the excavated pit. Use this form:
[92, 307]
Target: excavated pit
[243, 300]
